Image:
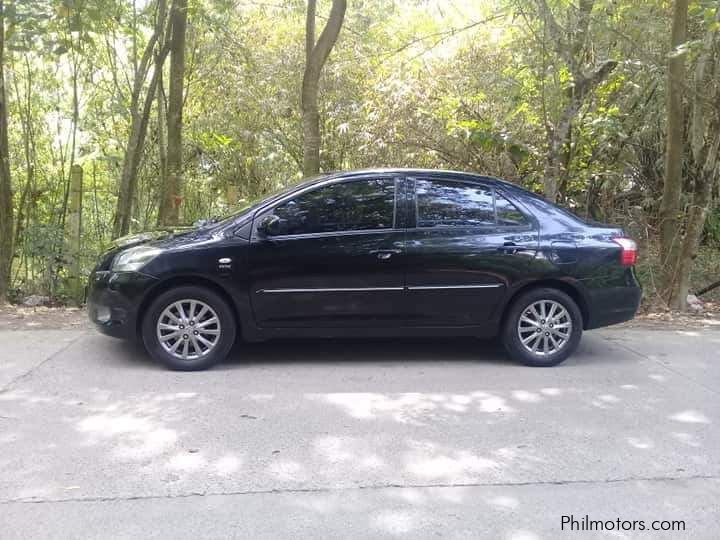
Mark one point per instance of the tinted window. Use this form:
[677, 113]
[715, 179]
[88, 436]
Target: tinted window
[507, 213]
[348, 206]
[442, 202]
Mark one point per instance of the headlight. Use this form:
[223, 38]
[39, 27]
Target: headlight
[135, 258]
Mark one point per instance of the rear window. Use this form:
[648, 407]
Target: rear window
[543, 205]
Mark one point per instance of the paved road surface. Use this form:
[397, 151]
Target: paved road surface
[347, 439]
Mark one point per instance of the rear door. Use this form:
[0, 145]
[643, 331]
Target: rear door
[469, 244]
[338, 260]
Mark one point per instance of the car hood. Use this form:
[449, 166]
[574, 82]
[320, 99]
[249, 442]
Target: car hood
[131, 240]
[161, 238]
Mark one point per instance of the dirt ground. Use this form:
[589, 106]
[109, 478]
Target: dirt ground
[42, 318]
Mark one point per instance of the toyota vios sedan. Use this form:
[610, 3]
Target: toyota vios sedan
[372, 253]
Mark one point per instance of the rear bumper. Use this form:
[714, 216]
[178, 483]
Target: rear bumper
[114, 299]
[612, 305]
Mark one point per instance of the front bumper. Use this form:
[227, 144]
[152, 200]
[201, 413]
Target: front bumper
[114, 300]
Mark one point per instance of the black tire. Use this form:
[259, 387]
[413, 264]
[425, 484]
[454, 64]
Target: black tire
[519, 308]
[215, 354]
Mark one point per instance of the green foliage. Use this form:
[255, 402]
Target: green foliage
[472, 85]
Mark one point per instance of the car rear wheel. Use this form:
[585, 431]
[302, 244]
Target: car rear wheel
[542, 328]
[189, 328]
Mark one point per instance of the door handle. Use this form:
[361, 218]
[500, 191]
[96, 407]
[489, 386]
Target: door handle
[511, 248]
[384, 254]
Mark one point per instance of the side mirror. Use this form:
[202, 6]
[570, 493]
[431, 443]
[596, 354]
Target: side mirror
[270, 225]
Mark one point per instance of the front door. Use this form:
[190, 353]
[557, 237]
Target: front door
[468, 245]
[337, 258]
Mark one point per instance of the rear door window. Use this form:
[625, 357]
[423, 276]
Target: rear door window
[448, 203]
[443, 203]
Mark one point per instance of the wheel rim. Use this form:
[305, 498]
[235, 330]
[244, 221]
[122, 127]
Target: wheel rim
[544, 327]
[188, 329]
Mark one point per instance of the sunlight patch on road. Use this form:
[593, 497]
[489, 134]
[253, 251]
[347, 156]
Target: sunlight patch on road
[504, 501]
[137, 437]
[333, 449]
[187, 462]
[394, 522]
[430, 462]
[641, 443]
[418, 408]
[288, 470]
[493, 404]
[227, 465]
[524, 395]
[690, 417]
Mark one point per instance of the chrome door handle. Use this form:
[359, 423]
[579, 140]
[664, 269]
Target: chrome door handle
[385, 254]
[510, 248]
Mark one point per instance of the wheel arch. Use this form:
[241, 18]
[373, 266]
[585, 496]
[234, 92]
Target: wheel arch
[571, 289]
[182, 280]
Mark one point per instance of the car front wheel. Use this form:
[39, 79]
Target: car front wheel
[189, 328]
[542, 328]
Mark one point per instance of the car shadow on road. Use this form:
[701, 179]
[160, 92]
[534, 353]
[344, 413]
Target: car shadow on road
[378, 350]
[384, 350]
[319, 351]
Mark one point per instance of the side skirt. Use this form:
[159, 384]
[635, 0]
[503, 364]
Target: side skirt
[262, 334]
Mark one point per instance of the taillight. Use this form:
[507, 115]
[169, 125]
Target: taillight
[629, 253]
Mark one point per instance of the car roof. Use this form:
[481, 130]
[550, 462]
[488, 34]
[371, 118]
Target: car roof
[464, 175]
[409, 171]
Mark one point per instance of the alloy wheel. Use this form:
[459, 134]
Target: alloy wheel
[188, 329]
[544, 327]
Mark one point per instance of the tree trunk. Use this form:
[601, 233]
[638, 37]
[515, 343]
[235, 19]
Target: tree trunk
[139, 119]
[704, 144]
[554, 169]
[171, 194]
[73, 232]
[316, 56]
[123, 211]
[161, 137]
[131, 163]
[29, 146]
[693, 232]
[6, 203]
[672, 188]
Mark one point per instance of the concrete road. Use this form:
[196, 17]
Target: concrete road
[350, 439]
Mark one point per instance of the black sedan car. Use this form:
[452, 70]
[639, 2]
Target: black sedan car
[372, 253]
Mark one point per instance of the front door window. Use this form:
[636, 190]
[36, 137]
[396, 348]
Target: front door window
[348, 206]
